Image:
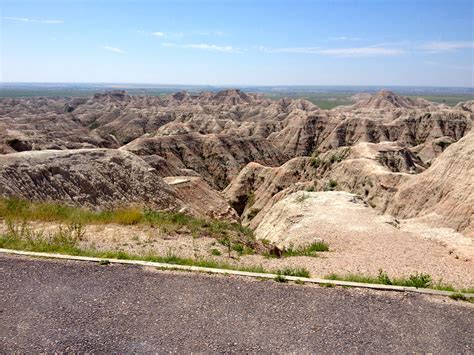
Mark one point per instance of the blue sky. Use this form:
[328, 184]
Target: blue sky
[224, 42]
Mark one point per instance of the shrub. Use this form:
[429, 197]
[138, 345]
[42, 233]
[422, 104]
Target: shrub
[253, 212]
[280, 278]
[419, 280]
[215, 252]
[309, 250]
[332, 184]
[288, 271]
[316, 162]
[250, 198]
[301, 198]
[383, 278]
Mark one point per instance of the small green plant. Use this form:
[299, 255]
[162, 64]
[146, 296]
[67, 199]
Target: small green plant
[316, 162]
[419, 280]
[458, 296]
[250, 199]
[227, 243]
[252, 213]
[242, 249]
[332, 185]
[280, 278]
[215, 252]
[327, 285]
[288, 271]
[239, 248]
[94, 125]
[301, 198]
[308, 250]
[443, 144]
[104, 262]
[383, 278]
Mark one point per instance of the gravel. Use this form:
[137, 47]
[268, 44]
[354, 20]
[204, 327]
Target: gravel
[58, 306]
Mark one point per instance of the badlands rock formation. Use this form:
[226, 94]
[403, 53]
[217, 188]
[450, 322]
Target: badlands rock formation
[305, 217]
[85, 177]
[444, 192]
[403, 157]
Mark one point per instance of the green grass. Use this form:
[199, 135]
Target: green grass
[308, 250]
[280, 278]
[288, 271]
[66, 241]
[215, 252]
[242, 249]
[460, 297]
[168, 222]
[418, 280]
[450, 100]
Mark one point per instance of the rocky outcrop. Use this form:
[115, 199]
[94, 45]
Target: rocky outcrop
[466, 106]
[96, 178]
[259, 150]
[200, 198]
[386, 99]
[304, 217]
[217, 158]
[371, 170]
[443, 193]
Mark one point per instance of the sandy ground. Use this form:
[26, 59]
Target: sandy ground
[400, 254]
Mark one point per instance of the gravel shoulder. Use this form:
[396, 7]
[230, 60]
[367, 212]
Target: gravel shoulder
[57, 306]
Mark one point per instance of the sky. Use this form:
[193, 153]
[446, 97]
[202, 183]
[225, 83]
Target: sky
[245, 42]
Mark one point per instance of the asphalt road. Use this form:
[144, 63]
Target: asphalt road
[58, 306]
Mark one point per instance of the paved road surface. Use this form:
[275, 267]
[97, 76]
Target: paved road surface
[51, 306]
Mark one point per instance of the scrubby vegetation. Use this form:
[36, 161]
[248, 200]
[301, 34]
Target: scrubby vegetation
[301, 198]
[308, 250]
[418, 280]
[253, 212]
[460, 297]
[299, 272]
[331, 186]
[169, 222]
[66, 241]
[327, 160]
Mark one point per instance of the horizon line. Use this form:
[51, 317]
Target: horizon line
[234, 85]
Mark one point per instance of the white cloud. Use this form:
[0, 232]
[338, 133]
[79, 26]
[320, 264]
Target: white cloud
[362, 51]
[113, 49]
[177, 35]
[338, 52]
[446, 46]
[344, 38]
[203, 46]
[18, 19]
[53, 22]
[25, 19]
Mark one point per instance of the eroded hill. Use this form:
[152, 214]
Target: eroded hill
[239, 156]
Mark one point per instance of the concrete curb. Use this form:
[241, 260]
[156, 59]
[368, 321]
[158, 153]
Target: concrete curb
[236, 273]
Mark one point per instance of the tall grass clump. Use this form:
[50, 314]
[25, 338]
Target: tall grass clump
[308, 250]
[168, 222]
